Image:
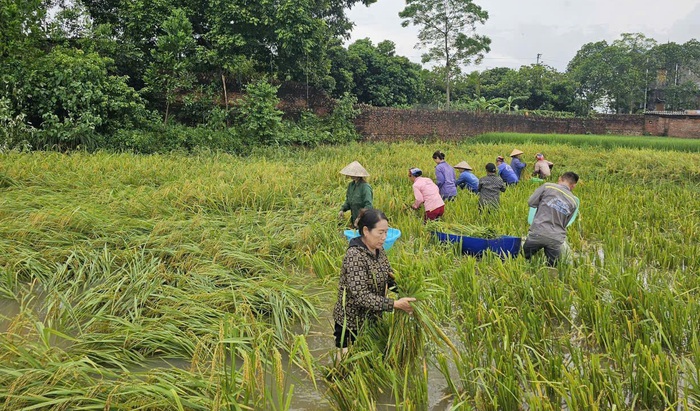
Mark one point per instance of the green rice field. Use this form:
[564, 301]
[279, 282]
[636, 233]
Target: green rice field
[206, 282]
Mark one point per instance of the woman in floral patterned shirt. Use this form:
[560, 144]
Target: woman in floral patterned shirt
[364, 279]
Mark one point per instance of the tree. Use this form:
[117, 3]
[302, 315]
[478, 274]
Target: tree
[283, 39]
[71, 99]
[682, 96]
[614, 76]
[692, 50]
[447, 29]
[592, 69]
[376, 75]
[260, 120]
[543, 88]
[169, 73]
[495, 83]
[677, 68]
[634, 72]
[20, 25]
[341, 69]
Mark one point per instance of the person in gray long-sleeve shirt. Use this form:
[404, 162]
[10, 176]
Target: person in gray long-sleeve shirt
[556, 206]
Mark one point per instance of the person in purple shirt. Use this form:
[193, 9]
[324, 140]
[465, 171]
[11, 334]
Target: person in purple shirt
[445, 176]
[516, 163]
[506, 172]
[466, 178]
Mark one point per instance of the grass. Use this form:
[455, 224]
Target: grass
[606, 142]
[223, 264]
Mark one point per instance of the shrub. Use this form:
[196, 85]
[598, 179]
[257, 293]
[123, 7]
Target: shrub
[162, 139]
[304, 132]
[340, 123]
[15, 132]
[259, 119]
[70, 98]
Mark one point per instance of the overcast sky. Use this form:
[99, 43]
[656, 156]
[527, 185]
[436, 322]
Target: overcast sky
[556, 29]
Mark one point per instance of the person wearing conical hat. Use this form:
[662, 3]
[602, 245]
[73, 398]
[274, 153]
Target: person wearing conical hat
[358, 194]
[466, 178]
[516, 163]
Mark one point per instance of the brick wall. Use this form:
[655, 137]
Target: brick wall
[685, 126]
[387, 124]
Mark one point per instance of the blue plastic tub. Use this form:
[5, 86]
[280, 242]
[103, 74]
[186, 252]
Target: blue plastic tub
[505, 246]
[470, 245]
[391, 236]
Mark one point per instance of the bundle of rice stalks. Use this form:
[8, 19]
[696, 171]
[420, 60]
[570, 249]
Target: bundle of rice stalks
[462, 229]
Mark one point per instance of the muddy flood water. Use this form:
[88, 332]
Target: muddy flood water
[306, 396]
[321, 344]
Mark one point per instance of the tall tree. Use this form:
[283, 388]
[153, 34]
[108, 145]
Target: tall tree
[20, 24]
[543, 88]
[376, 75]
[592, 68]
[170, 71]
[614, 76]
[448, 31]
[677, 70]
[634, 73]
[284, 39]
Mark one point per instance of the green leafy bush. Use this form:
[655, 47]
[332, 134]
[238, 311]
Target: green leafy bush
[259, 119]
[71, 99]
[340, 122]
[311, 130]
[307, 131]
[15, 133]
[164, 139]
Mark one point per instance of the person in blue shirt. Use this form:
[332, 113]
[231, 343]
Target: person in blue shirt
[466, 178]
[506, 172]
[516, 163]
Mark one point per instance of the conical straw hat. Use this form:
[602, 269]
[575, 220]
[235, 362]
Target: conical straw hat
[515, 152]
[354, 169]
[463, 165]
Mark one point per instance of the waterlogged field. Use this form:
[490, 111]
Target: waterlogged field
[206, 282]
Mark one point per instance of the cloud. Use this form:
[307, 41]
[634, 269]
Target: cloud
[556, 45]
[686, 28]
[556, 29]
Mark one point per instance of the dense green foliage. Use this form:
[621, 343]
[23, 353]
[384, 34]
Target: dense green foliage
[156, 75]
[73, 100]
[170, 71]
[376, 75]
[206, 281]
[259, 116]
[92, 74]
[619, 76]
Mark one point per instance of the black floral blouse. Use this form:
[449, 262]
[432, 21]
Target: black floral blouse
[364, 279]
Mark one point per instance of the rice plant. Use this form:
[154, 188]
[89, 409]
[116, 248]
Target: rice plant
[206, 282]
